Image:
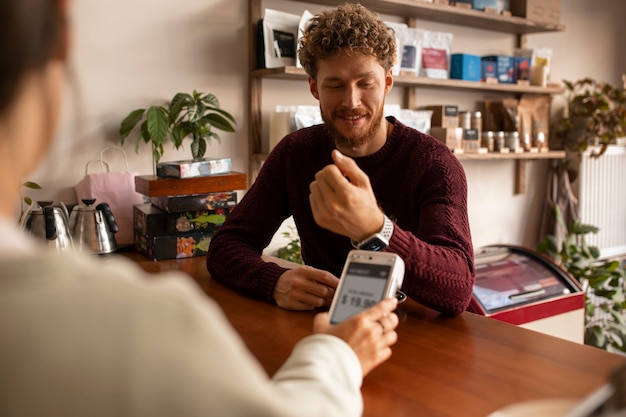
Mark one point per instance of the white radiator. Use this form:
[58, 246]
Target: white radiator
[602, 200]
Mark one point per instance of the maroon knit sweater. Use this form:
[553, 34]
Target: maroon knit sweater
[419, 184]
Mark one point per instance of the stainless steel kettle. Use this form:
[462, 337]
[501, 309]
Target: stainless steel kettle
[93, 228]
[49, 221]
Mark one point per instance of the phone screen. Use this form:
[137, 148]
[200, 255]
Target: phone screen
[364, 287]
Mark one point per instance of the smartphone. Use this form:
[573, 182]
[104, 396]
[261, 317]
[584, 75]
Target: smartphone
[367, 278]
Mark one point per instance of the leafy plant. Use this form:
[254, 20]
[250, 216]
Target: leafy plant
[595, 114]
[194, 115]
[291, 251]
[602, 280]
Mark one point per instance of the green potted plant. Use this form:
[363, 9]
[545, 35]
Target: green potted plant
[595, 115]
[603, 281]
[195, 115]
[292, 250]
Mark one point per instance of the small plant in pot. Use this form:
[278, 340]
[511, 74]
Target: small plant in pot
[603, 281]
[194, 115]
[595, 115]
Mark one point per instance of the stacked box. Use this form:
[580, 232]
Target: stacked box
[450, 136]
[444, 116]
[183, 213]
[542, 11]
[465, 67]
[500, 67]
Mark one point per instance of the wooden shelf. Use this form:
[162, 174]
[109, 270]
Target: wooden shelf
[526, 156]
[295, 73]
[453, 15]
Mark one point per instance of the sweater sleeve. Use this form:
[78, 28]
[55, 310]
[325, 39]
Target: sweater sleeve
[234, 256]
[438, 252]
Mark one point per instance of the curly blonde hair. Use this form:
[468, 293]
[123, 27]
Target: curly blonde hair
[349, 29]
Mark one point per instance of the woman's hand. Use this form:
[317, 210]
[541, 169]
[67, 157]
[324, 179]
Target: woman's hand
[370, 333]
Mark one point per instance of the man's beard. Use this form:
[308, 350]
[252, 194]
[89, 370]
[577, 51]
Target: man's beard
[353, 141]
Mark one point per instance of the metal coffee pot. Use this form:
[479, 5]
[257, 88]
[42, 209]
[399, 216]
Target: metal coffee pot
[93, 228]
[49, 221]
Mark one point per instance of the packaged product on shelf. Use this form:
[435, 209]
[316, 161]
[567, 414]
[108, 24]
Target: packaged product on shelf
[522, 68]
[497, 5]
[445, 115]
[500, 67]
[302, 24]
[410, 61]
[450, 136]
[465, 67]
[539, 109]
[436, 54]
[542, 11]
[277, 34]
[540, 60]
[398, 30]
[417, 119]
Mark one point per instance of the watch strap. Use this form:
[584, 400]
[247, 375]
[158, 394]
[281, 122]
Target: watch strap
[382, 237]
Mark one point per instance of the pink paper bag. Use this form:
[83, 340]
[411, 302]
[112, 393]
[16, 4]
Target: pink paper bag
[116, 188]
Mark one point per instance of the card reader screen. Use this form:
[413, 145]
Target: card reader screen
[364, 287]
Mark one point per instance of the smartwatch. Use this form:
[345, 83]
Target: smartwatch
[377, 241]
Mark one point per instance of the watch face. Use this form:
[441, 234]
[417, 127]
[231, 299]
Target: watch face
[374, 244]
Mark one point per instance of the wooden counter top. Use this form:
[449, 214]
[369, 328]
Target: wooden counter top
[441, 367]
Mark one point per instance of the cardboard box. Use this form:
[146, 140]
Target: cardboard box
[193, 168]
[152, 221]
[208, 201]
[452, 137]
[465, 67]
[500, 67]
[174, 246]
[444, 116]
[542, 11]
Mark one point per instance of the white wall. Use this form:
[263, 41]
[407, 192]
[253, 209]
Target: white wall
[136, 53]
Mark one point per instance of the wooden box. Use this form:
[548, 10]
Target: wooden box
[542, 11]
[152, 186]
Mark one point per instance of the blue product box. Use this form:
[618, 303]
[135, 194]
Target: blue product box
[522, 68]
[465, 67]
[482, 4]
[500, 67]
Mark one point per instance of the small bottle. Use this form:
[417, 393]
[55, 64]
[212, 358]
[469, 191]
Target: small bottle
[486, 140]
[477, 122]
[498, 141]
[512, 141]
[540, 141]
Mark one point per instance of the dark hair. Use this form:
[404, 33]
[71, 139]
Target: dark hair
[30, 33]
[349, 29]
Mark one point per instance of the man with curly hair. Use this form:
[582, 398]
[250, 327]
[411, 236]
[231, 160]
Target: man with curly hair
[357, 180]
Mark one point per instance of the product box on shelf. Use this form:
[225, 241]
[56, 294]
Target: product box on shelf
[450, 136]
[500, 67]
[174, 246]
[444, 115]
[152, 221]
[207, 201]
[465, 67]
[522, 68]
[498, 5]
[542, 11]
[193, 168]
